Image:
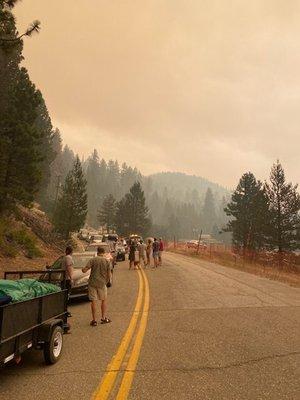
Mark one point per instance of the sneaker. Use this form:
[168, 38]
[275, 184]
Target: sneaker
[105, 320]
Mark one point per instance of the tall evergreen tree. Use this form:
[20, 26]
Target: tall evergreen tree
[208, 212]
[56, 168]
[22, 138]
[20, 145]
[132, 213]
[173, 227]
[284, 211]
[107, 212]
[102, 179]
[93, 189]
[68, 159]
[249, 208]
[168, 210]
[71, 209]
[156, 206]
[112, 178]
[44, 126]
[122, 217]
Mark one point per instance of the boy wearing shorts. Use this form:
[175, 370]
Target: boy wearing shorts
[99, 279]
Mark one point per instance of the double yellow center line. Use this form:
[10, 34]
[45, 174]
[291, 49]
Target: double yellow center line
[136, 330]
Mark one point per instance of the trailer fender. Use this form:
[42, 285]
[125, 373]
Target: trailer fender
[44, 331]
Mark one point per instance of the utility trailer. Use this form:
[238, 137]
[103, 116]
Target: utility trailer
[36, 323]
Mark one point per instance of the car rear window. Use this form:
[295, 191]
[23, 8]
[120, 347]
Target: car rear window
[81, 261]
[95, 247]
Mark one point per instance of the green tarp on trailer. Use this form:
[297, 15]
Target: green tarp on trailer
[25, 289]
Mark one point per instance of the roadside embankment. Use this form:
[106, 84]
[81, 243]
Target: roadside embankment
[288, 272]
[27, 241]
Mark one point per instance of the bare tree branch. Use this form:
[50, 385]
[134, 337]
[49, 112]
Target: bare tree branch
[33, 28]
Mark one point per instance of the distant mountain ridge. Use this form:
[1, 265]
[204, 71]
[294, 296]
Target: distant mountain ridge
[177, 184]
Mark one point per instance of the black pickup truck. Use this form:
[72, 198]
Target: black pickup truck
[36, 323]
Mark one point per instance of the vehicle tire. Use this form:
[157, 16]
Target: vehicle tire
[124, 258]
[53, 348]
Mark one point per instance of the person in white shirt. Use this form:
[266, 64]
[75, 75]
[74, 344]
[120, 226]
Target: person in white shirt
[142, 253]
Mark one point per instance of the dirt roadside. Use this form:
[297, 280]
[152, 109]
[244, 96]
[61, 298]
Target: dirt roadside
[289, 277]
[20, 262]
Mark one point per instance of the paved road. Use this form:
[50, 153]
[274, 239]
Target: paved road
[212, 333]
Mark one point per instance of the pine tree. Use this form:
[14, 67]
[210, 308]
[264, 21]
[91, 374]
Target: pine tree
[173, 227]
[122, 217]
[107, 212]
[132, 212]
[22, 138]
[55, 172]
[208, 212]
[102, 179]
[93, 189]
[168, 210]
[284, 203]
[71, 209]
[128, 176]
[156, 206]
[20, 145]
[46, 149]
[112, 178]
[249, 208]
[68, 159]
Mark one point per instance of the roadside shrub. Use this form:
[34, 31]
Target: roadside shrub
[13, 240]
[7, 248]
[27, 242]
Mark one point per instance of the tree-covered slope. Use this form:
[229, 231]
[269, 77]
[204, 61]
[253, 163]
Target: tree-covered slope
[183, 187]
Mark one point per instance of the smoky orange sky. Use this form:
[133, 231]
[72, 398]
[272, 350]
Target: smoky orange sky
[205, 87]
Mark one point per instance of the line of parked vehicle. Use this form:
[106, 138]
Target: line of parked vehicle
[115, 249]
[40, 322]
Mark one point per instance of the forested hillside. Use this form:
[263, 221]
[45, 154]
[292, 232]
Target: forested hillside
[35, 165]
[183, 187]
[27, 146]
[179, 204]
[182, 205]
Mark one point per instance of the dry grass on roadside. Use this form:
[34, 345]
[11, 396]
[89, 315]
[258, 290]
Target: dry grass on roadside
[21, 262]
[286, 275]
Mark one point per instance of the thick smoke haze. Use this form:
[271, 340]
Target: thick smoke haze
[210, 87]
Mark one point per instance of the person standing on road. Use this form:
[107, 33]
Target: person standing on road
[142, 251]
[68, 266]
[131, 257]
[155, 248]
[99, 280]
[148, 251]
[161, 249]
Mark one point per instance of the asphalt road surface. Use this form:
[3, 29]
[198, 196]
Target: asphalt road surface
[210, 333]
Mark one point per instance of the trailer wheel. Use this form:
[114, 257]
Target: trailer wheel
[53, 348]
